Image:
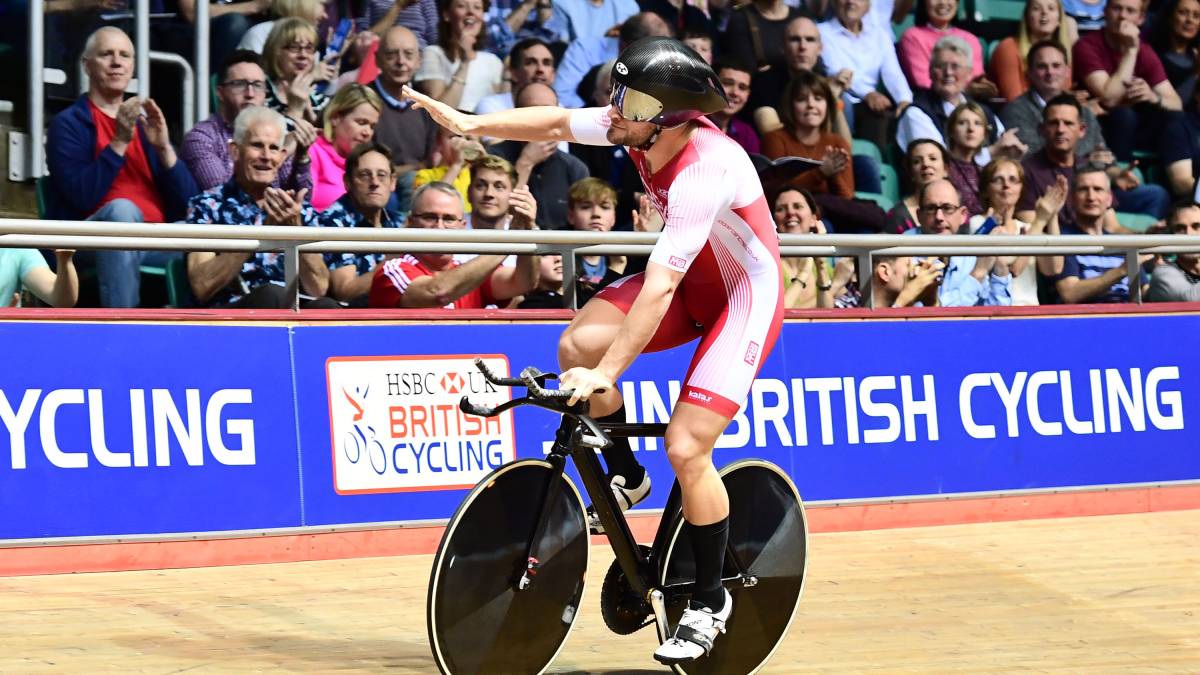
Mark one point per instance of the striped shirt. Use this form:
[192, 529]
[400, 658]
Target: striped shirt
[393, 278]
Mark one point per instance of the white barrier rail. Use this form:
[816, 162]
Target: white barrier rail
[31, 233]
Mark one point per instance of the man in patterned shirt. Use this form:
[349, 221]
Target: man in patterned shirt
[241, 83]
[369, 182]
[437, 279]
[254, 280]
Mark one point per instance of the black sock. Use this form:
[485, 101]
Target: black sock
[708, 548]
[619, 457]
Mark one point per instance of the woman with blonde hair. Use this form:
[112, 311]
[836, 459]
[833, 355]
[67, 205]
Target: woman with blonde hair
[457, 70]
[966, 136]
[293, 70]
[350, 120]
[1042, 20]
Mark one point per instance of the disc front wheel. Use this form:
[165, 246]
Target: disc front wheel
[479, 622]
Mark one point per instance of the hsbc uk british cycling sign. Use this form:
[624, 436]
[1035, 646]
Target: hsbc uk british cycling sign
[395, 425]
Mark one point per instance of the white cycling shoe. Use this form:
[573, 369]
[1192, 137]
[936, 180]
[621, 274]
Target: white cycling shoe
[627, 498]
[694, 635]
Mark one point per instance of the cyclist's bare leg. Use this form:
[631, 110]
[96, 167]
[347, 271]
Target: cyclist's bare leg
[691, 435]
[584, 343]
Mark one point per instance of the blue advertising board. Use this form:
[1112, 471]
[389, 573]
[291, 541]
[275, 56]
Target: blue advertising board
[849, 410]
[141, 429]
[138, 429]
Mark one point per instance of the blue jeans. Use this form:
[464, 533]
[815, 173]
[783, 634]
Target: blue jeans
[118, 271]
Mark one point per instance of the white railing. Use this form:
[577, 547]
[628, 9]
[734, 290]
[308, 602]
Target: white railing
[31, 233]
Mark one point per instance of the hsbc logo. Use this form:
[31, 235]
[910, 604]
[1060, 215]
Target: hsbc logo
[452, 383]
[678, 263]
[395, 425]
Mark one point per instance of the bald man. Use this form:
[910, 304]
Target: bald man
[548, 171]
[111, 159]
[409, 134]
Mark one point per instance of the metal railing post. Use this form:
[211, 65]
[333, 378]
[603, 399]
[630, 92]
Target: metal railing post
[569, 276]
[1133, 272]
[291, 275]
[142, 19]
[866, 277]
[201, 61]
[37, 89]
[189, 91]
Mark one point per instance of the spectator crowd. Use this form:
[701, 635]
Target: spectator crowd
[1083, 119]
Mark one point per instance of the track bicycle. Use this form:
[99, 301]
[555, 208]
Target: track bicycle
[508, 577]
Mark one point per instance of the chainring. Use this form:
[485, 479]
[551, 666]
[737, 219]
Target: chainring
[623, 611]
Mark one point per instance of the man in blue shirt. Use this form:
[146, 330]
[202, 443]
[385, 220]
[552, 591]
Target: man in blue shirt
[1092, 277]
[968, 280]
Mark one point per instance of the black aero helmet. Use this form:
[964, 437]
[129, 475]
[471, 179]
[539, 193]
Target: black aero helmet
[661, 80]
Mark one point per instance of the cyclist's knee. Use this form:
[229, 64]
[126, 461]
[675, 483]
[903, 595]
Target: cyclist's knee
[574, 350]
[688, 454]
[568, 350]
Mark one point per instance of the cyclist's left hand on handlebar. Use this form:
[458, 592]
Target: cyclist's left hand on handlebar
[584, 382]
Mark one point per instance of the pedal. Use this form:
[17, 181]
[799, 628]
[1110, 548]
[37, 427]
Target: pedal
[593, 442]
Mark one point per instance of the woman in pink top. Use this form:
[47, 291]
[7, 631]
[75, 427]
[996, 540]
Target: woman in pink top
[932, 24]
[350, 119]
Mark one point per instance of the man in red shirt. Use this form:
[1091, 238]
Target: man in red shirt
[1117, 67]
[111, 159]
[436, 279]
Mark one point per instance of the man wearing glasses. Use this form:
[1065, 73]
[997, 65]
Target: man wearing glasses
[429, 280]
[968, 280]
[242, 83]
[369, 180]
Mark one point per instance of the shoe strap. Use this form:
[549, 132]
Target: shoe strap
[689, 634]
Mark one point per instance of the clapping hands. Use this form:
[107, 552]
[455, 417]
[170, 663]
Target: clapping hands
[284, 207]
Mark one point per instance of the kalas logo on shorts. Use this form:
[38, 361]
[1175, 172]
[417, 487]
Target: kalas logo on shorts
[395, 425]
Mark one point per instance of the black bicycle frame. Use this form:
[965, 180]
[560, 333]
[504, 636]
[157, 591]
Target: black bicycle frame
[636, 566]
[579, 437]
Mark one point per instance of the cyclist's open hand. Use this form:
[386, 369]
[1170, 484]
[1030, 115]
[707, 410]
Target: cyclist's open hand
[441, 113]
[584, 382]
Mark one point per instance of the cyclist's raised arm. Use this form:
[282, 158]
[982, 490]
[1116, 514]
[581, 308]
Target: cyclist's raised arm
[535, 123]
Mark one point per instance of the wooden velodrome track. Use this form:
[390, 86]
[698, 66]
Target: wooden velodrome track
[1097, 594]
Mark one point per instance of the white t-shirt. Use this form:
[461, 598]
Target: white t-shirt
[256, 38]
[483, 79]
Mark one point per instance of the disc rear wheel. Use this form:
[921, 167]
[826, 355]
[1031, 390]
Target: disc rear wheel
[769, 537]
[479, 622]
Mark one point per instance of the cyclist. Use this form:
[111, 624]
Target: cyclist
[714, 274]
